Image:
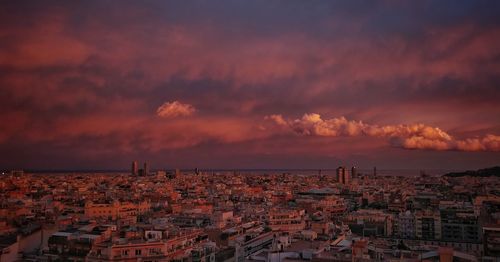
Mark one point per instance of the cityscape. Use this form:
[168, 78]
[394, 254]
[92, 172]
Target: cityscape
[250, 131]
[297, 215]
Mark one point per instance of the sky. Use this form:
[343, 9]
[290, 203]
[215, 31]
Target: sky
[250, 84]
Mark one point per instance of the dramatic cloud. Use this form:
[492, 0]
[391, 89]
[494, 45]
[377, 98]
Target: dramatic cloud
[82, 81]
[278, 119]
[415, 136]
[175, 109]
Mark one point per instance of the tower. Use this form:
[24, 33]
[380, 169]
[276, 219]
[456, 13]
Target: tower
[347, 176]
[134, 170]
[343, 175]
[146, 169]
[354, 173]
[340, 174]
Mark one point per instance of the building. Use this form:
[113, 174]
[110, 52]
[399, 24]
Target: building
[157, 247]
[72, 246]
[459, 226]
[370, 222]
[9, 248]
[428, 224]
[490, 221]
[146, 169]
[354, 172]
[340, 174]
[334, 206]
[113, 210]
[134, 170]
[248, 244]
[160, 174]
[220, 219]
[288, 220]
[491, 240]
[205, 253]
[343, 176]
[405, 225]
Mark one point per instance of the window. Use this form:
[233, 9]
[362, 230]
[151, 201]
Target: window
[138, 252]
[154, 251]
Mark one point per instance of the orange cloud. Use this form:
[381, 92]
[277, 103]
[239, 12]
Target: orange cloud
[414, 136]
[175, 109]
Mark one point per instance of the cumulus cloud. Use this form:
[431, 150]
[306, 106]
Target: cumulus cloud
[414, 136]
[278, 119]
[175, 109]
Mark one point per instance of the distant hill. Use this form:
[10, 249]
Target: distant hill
[492, 171]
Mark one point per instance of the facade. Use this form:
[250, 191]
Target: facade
[113, 210]
[248, 244]
[368, 222]
[154, 249]
[459, 226]
[428, 224]
[405, 225]
[288, 220]
[491, 240]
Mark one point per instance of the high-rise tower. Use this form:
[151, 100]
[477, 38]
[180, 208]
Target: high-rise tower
[134, 170]
[347, 177]
[340, 175]
[146, 169]
[343, 175]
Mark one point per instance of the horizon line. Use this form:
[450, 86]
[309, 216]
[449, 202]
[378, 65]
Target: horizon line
[110, 170]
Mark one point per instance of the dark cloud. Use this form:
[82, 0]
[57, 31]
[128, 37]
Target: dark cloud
[88, 77]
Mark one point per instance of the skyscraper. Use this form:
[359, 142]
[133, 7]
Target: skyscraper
[134, 170]
[340, 174]
[146, 169]
[343, 175]
[347, 176]
[354, 173]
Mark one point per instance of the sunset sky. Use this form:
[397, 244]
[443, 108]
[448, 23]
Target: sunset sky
[249, 84]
